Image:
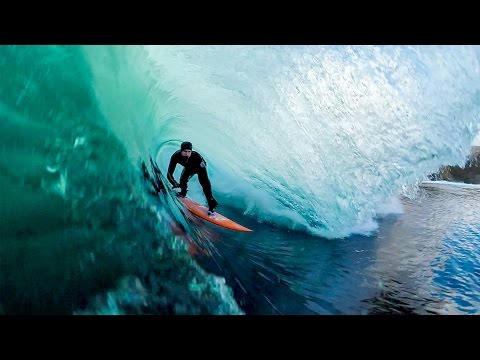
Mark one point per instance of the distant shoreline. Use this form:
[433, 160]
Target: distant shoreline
[468, 174]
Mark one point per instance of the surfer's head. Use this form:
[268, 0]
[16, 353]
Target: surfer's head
[186, 149]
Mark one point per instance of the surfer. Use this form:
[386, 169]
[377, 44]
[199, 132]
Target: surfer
[193, 163]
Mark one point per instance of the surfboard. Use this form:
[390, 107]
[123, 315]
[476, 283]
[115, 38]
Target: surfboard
[216, 218]
[159, 184]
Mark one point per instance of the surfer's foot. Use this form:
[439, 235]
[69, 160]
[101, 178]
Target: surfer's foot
[212, 203]
[210, 212]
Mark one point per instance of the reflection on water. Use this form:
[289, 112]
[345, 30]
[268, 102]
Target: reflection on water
[424, 261]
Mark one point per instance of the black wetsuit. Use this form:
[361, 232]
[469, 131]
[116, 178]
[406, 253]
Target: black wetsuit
[195, 164]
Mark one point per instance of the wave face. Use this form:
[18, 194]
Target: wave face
[316, 137]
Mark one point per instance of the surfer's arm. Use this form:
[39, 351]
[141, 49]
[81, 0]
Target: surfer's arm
[171, 169]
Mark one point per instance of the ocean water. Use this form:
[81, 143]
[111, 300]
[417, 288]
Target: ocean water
[321, 150]
[423, 259]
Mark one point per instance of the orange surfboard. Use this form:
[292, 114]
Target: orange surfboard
[217, 219]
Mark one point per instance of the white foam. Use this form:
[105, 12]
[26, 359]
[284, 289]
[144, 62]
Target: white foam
[451, 184]
[367, 228]
[391, 206]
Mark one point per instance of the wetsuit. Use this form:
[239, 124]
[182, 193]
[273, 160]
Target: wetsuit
[195, 164]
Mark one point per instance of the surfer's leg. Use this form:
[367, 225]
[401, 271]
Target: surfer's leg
[183, 182]
[207, 188]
